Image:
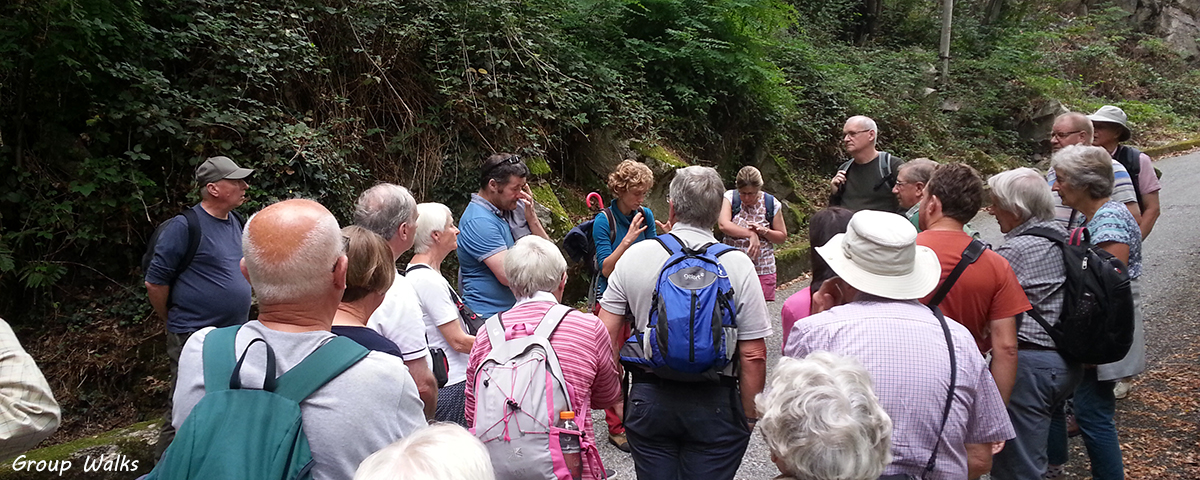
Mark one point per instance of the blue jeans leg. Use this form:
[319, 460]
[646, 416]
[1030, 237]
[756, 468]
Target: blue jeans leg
[1095, 410]
[1044, 380]
[1056, 443]
[686, 432]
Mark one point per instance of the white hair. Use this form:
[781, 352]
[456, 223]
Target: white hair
[821, 419]
[382, 208]
[1024, 192]
[431, 217]
[696, 194]
[442, 451]
[866, 122]
[1085, 167]
[301, 273]
[532, 265]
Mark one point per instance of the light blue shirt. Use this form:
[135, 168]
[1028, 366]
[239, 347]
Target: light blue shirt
[482, 233]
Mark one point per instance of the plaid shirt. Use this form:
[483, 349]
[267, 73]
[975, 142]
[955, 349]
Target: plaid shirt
[1038, 264]
[902, 345]
[30, 413]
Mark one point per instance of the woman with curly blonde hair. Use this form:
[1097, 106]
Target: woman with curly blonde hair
[624, 223]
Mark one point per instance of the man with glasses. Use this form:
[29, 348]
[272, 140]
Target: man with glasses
[1075, 128]
[865, 182]
[499, 214]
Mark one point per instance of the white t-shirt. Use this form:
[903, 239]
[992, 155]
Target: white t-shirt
[437, 309]
[631, 285]
[399, 319]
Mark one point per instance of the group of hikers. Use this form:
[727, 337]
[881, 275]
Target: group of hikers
[917, 351]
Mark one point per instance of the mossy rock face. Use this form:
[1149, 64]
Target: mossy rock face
[657, 152]
[554, 216]
[538, 168]
[791, 260]
[118, 454]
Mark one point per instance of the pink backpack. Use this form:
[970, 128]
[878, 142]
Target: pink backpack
[519, 392]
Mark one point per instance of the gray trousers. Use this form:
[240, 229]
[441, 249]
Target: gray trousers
[1044, 380]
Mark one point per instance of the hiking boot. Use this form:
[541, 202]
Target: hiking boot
[619, 441]
[1121, 389]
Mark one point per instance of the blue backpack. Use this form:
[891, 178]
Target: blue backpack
[248, 433]
[693, 319]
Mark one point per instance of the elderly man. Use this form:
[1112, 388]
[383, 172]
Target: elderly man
[391, 212]
[865, 182]
[1077, 129]
[537, 274]
[295, 262]
[670, 424]
[1022, 205]
[1112, 128]
[987, 297]
[499, 214]
[872, 315]
[197, 284]
[910, 186]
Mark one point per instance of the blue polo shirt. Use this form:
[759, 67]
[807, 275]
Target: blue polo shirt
[482, 233]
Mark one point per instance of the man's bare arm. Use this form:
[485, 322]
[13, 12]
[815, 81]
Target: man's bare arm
[158, 298]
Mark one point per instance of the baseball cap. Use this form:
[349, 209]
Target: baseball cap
[218, 168]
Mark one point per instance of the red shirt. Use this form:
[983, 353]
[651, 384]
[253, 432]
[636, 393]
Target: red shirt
[987, 290]
[584, 351]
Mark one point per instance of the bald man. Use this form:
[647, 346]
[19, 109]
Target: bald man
[295, 261]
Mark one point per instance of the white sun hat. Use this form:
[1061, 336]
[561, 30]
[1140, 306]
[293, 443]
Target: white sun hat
[879, 255]
[1112, 114]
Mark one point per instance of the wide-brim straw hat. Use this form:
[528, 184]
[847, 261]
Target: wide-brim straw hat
[879, 255]
[1113, 114]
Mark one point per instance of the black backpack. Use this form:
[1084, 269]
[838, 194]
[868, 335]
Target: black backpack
[581, 247]
[193, 224]
[1096, 324]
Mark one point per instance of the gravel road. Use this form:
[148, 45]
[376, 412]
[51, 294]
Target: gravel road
[1158, 421]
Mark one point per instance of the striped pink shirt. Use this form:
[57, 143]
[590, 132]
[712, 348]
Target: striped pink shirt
[583, 349]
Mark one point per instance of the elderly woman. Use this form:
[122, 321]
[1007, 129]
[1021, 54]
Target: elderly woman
[1085, 183]
[369, 274]
[752, 221]
[821, 420]
[1023, 206]
[442, 451]
[435, 237]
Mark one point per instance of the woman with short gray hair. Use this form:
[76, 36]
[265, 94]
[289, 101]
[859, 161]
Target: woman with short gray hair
[1085, 182]
[1024, 207]
[435, 237]
[533, 265]
[821, 420]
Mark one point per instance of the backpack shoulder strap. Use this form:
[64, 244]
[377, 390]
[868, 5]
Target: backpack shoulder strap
[969, 256]
[416, 266]
[735, 203]
[953, 380]
[1046, 233]
[319, 367]
[495, 330]
[612, 224]
[551, 319]
[846, 165]
[193, 224]
[885, 164]
[219, 354]
[770, 201]
[670, 242]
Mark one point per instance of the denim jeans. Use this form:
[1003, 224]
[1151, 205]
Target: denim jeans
[1095, 411]
[1044, 380]
[686, 431]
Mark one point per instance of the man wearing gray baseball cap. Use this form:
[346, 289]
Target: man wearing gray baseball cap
[194, 279]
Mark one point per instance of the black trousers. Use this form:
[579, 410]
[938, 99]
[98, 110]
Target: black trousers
[686, 431]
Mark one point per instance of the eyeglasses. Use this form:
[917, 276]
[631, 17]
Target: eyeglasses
[853, 133]
[901, 183]
[1062, 135]
[511, 160]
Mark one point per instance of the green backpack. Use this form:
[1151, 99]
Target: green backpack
[246, 433]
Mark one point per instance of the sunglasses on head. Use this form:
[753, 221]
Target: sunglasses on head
[511, 160]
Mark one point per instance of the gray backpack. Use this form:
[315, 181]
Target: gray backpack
[519, 391]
